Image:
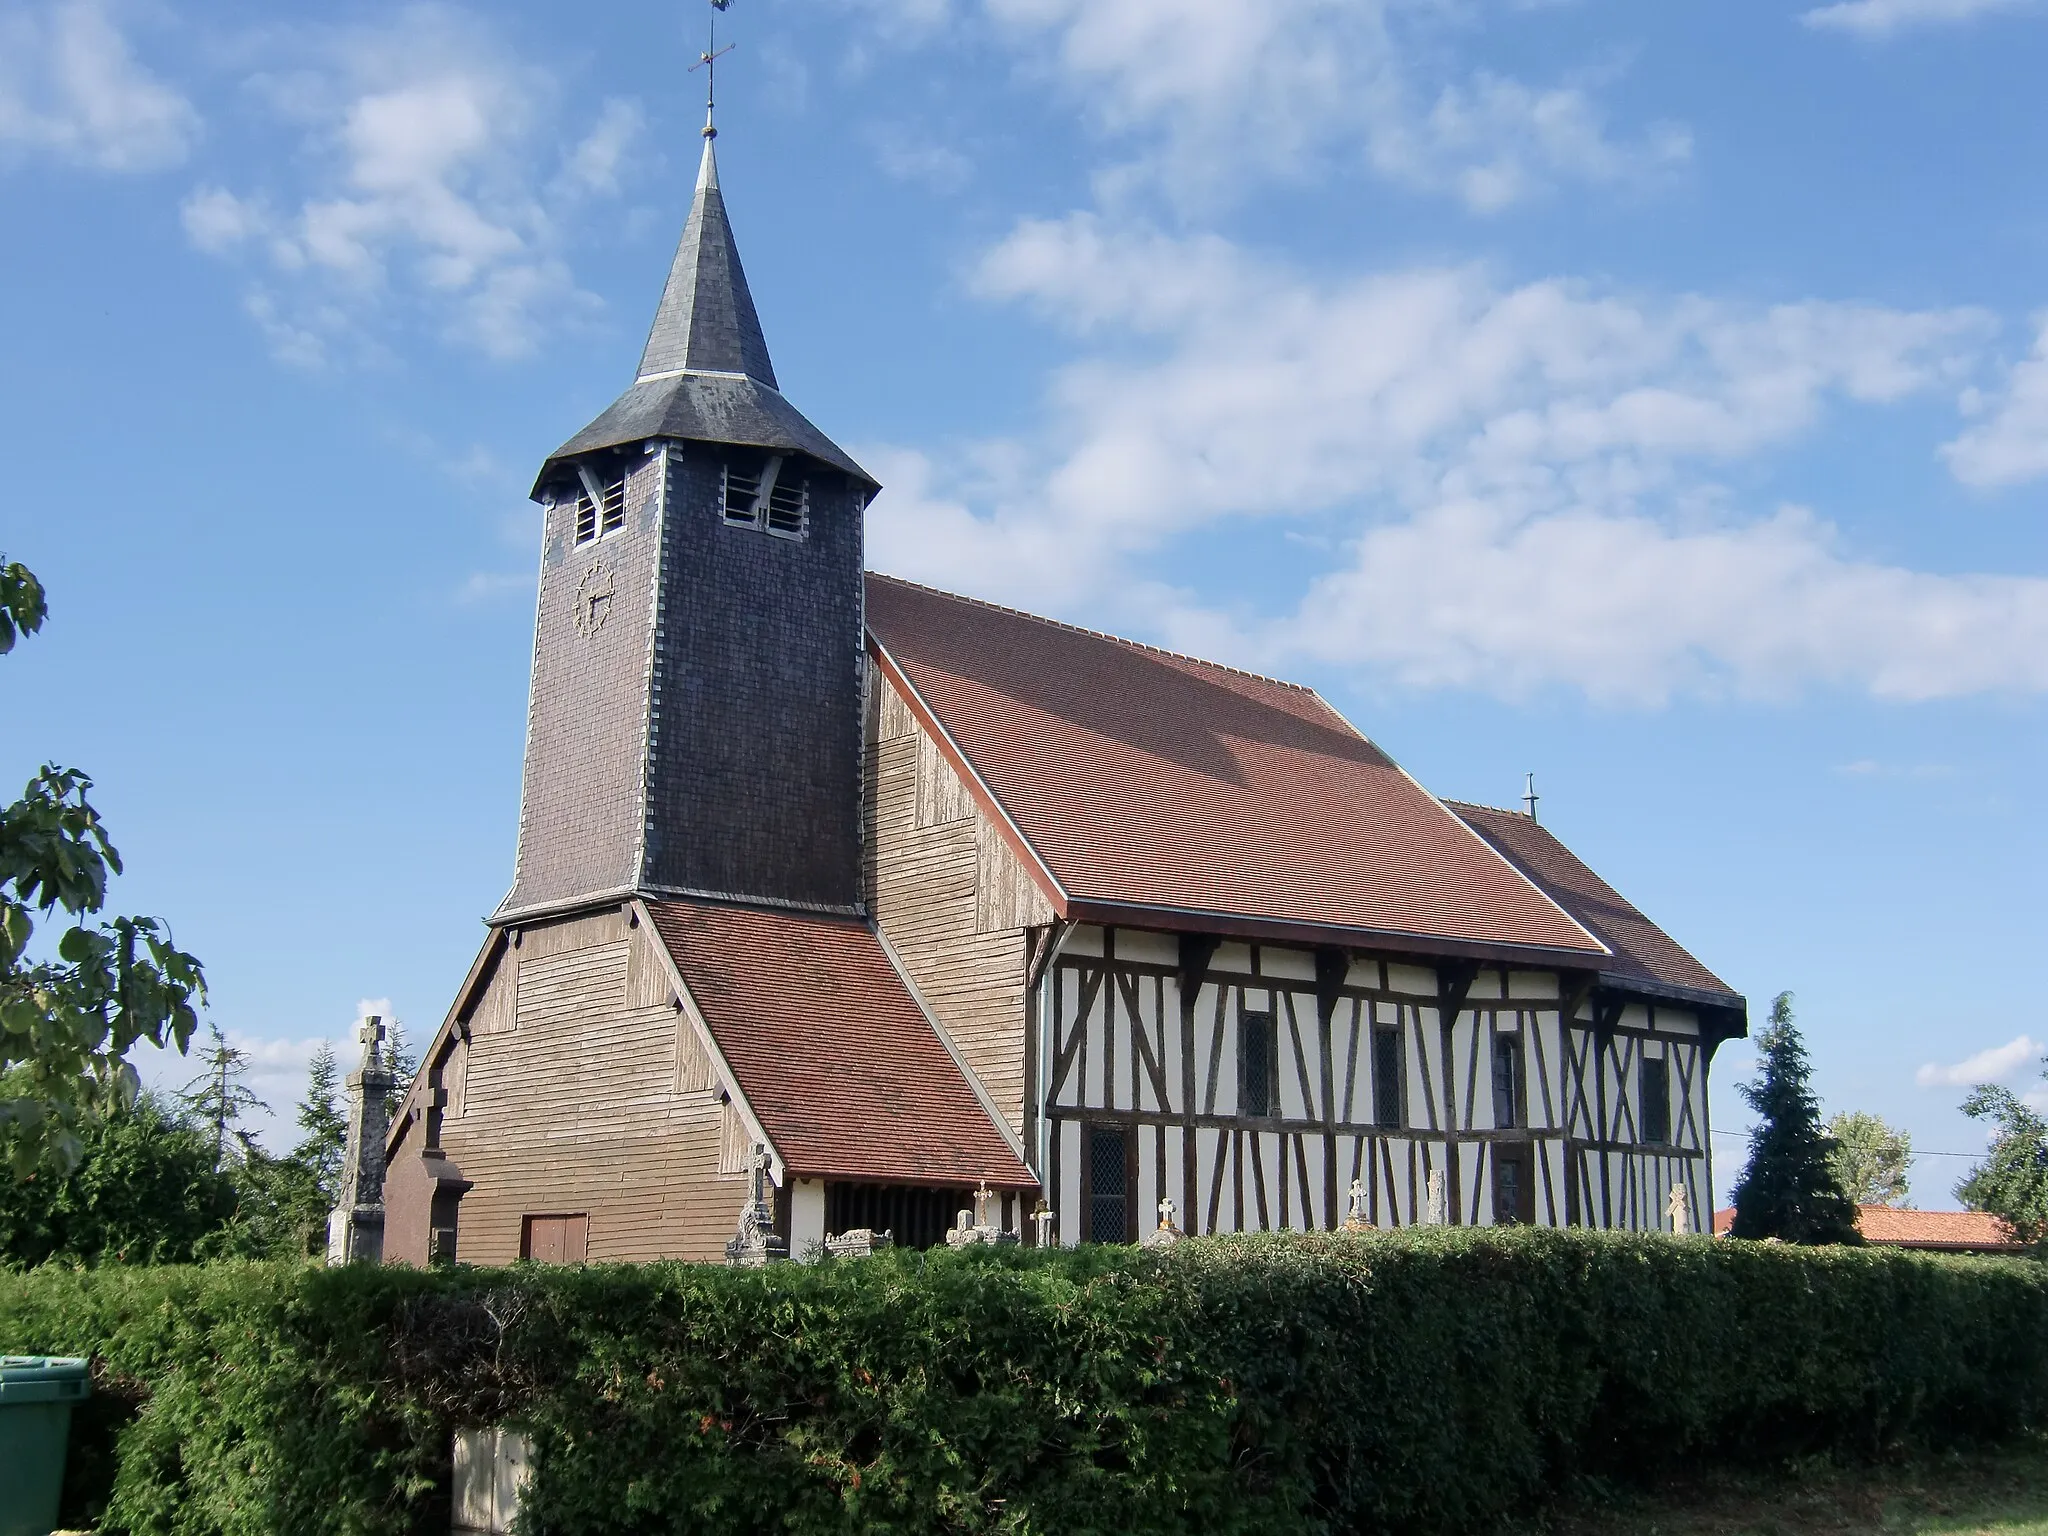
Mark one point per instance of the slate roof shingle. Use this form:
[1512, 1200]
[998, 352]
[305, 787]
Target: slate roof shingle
[1643, 952]
[705, 374]
[833, 1053]
[1145, 779]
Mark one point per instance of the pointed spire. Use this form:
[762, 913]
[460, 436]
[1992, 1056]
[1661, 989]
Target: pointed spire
[706, 322]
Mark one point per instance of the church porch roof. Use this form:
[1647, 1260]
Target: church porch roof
[835, 1055]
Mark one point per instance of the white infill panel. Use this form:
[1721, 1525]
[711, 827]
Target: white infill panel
[807, 1219]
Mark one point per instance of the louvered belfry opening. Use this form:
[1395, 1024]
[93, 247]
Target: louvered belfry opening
[606, 513]
[770, 492]
[917, 1217]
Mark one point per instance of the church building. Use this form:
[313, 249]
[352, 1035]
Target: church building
[845, 904]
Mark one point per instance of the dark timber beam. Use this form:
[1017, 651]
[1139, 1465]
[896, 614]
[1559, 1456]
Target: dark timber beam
[1454, 980]
[1333, 969]
[1196, 951]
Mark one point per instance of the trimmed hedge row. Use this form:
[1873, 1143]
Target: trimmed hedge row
[1419, 1381]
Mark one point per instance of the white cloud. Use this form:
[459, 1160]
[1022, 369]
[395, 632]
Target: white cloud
[1629, 609]
[1871, 768]
[593, 165]
[909, 157]
[1997, 1064]
[1209, 90]
[481, 587]
[432, 192]
[1881, 18]
[2009, 443]
[71, 88]
[216, 220]
[1524, 481]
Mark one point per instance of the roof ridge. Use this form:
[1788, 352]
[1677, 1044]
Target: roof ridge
[1491, 809]
[1097, 634]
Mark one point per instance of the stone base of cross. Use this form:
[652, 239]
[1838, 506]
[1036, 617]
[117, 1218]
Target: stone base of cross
[1166, 1234]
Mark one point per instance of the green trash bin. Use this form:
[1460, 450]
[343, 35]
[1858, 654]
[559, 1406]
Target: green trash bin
[36, 1394]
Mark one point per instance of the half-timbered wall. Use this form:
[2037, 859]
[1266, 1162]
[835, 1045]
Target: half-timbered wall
[950, 897]
[1624, 1180]
[576, 1086]
[1373, 1070]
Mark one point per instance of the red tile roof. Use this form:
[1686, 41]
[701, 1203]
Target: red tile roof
[1143, 779]
[1642, 950]
[1956, 1231]
[1940, 1231]
[831, 1050]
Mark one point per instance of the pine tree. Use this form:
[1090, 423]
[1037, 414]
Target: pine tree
[323, 1123]
[1789, 1191]
[301, 1185]
[219, 1097]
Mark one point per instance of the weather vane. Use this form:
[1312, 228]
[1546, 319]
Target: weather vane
[708, 62]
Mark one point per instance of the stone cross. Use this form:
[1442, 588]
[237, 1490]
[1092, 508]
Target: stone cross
[355, 1227]
[757, 1242]
[1439, 1205]
[1167, 1234]
[1042, 1218]
[1354, 1215]
[1678, 1210]
[982, 1197]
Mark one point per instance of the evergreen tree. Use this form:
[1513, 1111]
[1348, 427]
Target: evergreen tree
[404, 1062]
[1789, 1191]
[2012, 1183]
[219, 1097]
[310, 1178]
[322, 1122]
[1870, 1159]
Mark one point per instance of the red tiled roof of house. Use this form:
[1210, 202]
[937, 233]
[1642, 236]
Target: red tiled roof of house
[1139, 778]
[1642, 950]
[1942, 1231]
[1953, 1230]
[832, 1052]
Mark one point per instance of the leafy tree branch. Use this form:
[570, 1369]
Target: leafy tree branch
[2012, 1183]
[69, 1018]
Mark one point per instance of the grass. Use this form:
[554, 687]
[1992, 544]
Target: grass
[1985, 1493]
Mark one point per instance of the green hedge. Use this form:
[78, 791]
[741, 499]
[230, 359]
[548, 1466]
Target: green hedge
[1422, 1381]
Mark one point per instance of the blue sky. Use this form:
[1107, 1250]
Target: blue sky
[1651, 397]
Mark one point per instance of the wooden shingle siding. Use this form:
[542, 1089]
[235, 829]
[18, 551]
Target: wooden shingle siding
[952, 898]
[594, 1100]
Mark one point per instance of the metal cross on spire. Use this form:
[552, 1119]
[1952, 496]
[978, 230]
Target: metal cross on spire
[708, 62]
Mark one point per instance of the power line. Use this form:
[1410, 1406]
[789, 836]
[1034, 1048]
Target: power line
[1744, 1136]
